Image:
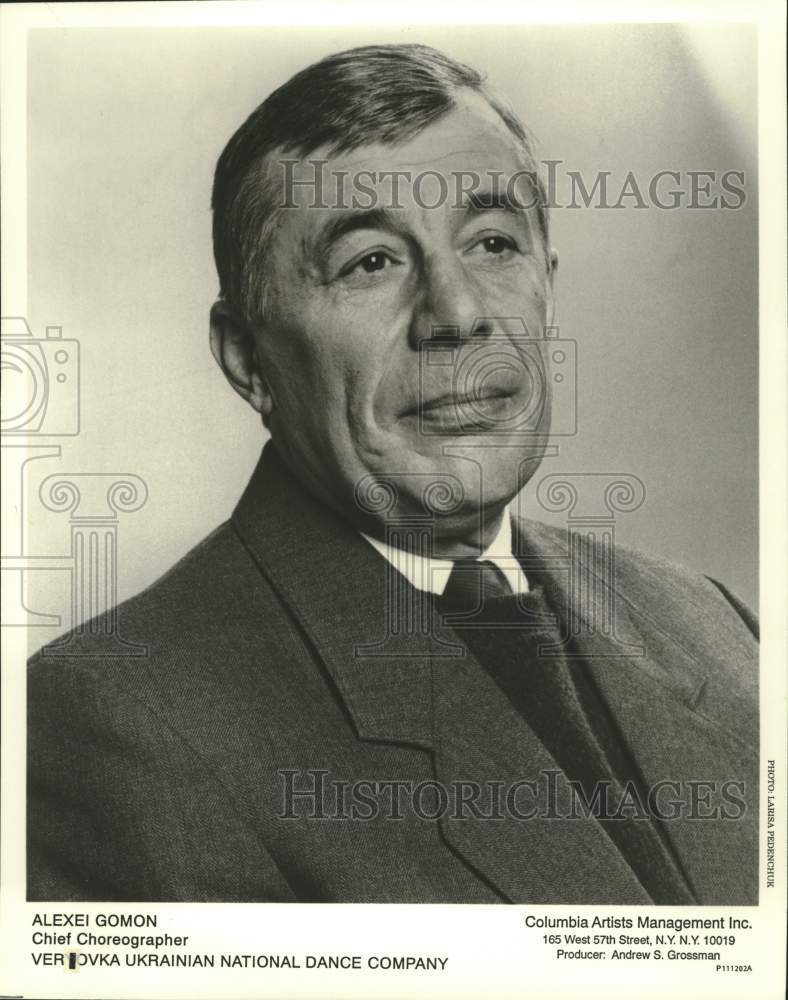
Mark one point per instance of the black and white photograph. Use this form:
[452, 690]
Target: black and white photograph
[386, 504]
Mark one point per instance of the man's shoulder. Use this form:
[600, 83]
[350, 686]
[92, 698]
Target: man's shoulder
[206, 645]
[189, 608]
[644, 579]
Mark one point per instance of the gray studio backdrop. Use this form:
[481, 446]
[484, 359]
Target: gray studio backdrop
[124, 130]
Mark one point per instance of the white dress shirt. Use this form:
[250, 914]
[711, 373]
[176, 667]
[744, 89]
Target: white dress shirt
[426, 573]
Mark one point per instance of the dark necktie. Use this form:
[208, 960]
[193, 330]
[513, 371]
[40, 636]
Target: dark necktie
[472, 583]
[559, 702]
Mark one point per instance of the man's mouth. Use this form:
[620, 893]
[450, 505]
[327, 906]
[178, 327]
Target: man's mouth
[458, 413]
[455, 399]
[468, 400]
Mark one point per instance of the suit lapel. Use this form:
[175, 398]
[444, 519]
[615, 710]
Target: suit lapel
[661, 698]
[521, 842]
[332, 581]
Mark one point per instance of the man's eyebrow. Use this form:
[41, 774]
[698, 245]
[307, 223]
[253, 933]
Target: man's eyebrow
[348, 222]
[492, 201]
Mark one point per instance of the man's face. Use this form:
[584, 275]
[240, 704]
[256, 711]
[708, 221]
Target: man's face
[355, 294]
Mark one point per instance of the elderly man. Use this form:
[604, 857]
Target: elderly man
[376, 682]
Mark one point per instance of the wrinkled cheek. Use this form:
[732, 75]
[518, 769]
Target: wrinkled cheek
[538, 296]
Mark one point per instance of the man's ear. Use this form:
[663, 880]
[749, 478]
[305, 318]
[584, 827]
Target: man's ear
[552, 267]
[233, 346]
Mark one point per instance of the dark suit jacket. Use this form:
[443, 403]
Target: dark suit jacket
[160, 776]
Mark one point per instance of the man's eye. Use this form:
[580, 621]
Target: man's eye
[494, 246]
[367, 269]
[373, 262]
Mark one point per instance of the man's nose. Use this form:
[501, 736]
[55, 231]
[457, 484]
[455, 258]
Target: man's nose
[448, 303]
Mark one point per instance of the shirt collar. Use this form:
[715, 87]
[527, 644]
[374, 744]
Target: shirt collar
[426, 573]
